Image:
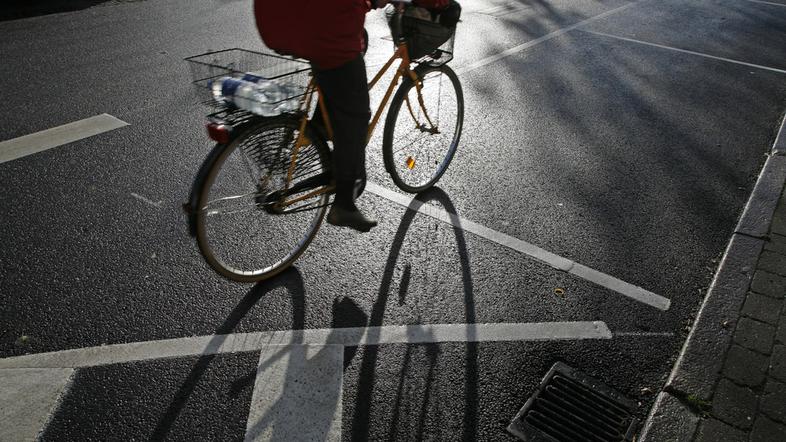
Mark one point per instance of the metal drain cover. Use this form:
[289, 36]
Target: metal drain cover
[571, 406]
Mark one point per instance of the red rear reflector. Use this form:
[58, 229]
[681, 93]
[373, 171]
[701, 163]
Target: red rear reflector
[218, 133]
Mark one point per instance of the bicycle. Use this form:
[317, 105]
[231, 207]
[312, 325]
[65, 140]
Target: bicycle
[278, 169]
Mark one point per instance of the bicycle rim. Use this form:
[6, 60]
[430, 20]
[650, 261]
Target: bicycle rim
[421, 137]
[240, 231]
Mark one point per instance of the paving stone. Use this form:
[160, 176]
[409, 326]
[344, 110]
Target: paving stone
[769, 284]
[780, 335]
[777, 243]
[778, 363]
[754, 335]
[767, 430]
[713, 430]
[772, 262]
[734, 404]
[773, 401]
[762, 308]
[745, 367]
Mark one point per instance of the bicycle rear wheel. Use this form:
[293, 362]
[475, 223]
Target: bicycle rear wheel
[243, 230]
[422, 131]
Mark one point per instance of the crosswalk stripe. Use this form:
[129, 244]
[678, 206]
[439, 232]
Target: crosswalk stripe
[297, 394]
[27, 398]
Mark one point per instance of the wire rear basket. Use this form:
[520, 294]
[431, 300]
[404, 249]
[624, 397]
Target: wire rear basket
[286, 77]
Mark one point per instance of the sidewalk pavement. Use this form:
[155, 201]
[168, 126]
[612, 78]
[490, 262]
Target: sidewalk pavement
[729, 382]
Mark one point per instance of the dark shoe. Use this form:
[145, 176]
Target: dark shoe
[339, 216]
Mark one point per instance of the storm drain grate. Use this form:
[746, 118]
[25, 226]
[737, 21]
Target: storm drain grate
[570, 406]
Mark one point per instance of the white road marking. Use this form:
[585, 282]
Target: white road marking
[558, 262]
[57, 136]
[768, 3]
[631, 291]
[685, 51]
[239, 342]
[645, 334]
[147, 201]
[779, 147]
[297, 394]
[27, 398]
[508, 52]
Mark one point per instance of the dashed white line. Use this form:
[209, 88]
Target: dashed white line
[508, 52]
[558, 262]
[684, 51]
[645, 334]
[240, 342]
[57, 136]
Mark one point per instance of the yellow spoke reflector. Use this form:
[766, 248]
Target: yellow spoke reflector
[410, 163]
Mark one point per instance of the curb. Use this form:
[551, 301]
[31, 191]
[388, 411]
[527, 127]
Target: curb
[698, 366]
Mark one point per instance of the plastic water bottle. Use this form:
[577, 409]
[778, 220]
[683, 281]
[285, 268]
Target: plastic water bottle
[223, 88]
[255, 94]
[288, 105]
[267, 96]
[244, 96]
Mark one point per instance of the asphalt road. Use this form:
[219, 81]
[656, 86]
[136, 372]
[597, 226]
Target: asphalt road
[629, 144]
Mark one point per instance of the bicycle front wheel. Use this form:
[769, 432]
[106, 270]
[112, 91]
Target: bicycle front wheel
[244, 229]
[423, 128]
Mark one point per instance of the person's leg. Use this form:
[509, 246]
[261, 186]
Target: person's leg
[345, 92]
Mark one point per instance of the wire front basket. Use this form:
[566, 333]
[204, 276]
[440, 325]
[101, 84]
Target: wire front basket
[430, 35]
[274, 83]
[428, 42]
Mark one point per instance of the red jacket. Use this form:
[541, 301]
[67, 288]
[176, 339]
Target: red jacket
[326, 32]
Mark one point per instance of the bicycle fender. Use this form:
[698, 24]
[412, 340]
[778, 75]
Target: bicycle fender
[189, 207]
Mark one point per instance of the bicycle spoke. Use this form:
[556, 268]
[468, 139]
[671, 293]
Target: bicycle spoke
[230, 198]
[425, 130]
[248, 231]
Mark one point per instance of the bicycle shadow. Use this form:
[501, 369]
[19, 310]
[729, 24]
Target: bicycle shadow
[292, 281]
[305, 402]
[366, 377]
[289, 404]
[346, 314]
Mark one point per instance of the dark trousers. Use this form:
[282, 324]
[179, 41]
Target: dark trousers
[345, 91]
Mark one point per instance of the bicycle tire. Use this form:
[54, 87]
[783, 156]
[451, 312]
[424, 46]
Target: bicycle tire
[405, 178]
[257, 138]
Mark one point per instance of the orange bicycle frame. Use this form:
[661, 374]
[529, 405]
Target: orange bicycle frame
[401, 53]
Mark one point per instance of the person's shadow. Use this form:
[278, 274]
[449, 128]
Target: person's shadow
[361, 420]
